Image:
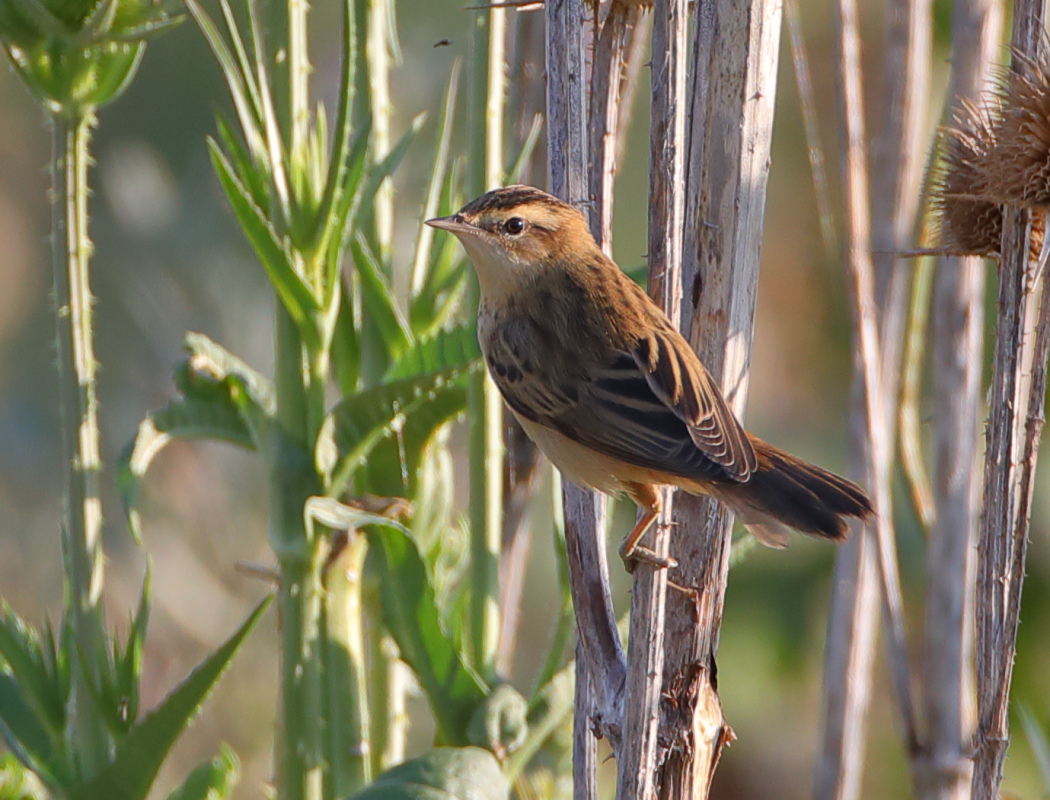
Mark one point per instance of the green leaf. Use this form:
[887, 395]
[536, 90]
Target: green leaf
[295, 295]
[139, 755]
[424, 241]
[249, 170]
[378, 306]
[332, 514]
[410, 613]
[26, 736]
[39, 683]
[346, 349]
[129, 666]
[190, 418]
[212, 780]
[239, 80]
[449, 349]
[445, 773]
[358, 424]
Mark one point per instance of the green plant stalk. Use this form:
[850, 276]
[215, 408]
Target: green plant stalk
[377, 56]
[484, 405]
[82, 532]
[387, 687]
[300, 756]
[346, 672]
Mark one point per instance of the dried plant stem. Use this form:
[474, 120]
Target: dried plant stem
[638, 761]
[848, 659]
[956, 349]
[82, 532]
[601, 667]
[735, 52]
[1012, 442]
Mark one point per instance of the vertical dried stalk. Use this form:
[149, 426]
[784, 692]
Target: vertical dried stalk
[736, 48]
[637, 764]
[957, 344]
[1003, 535]
[601, 669]
[851, 627]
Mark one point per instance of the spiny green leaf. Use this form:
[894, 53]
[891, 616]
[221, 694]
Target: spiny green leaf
[378, 305]
[139, 755]
[249, 170]
[356, 426]
[452, 349]
[410, 613]
[20, 650]
[190, 418]
[297, 298]
[346, 349]
[26, 735]
[240, 82]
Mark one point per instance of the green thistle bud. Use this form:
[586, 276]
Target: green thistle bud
[77, 55]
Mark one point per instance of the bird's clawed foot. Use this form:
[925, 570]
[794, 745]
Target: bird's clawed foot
[643, 555]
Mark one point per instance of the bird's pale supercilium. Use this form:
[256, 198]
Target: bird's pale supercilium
[608, 389]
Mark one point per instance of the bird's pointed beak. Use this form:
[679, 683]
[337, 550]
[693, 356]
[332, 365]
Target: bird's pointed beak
[455, 224]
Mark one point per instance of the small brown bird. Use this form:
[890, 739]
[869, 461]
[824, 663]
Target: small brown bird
[608, 389]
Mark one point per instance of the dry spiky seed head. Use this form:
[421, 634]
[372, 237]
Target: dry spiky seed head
[966, 222]
[1016, 168]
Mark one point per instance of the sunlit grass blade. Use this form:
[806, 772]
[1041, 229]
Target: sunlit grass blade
[243, 63]
[212, 780]
[436, 183]
[527, 147]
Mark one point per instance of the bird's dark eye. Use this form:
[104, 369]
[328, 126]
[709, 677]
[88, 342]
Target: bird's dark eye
[514, 226]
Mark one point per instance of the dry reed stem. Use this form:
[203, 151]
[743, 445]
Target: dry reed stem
[601, 667]
[732, 91]
[851, 633]
[944, 770]
[1009, 462]
[639, 758]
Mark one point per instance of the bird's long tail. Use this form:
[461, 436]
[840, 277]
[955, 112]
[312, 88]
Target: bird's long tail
[787, 492]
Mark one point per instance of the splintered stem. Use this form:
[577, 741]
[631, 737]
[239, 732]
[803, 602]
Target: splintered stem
[82, 545]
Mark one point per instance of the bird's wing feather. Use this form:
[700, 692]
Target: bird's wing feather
[652, 408]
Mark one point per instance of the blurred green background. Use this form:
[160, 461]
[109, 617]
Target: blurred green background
[169, 258]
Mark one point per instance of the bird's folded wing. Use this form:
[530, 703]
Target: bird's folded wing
[652, 408]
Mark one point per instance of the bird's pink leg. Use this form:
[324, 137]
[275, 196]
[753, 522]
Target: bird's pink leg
[648, 499]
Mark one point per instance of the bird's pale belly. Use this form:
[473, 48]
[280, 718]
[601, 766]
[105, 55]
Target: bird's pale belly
[587, 467]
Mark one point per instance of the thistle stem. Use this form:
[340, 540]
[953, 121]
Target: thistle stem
[82, 533]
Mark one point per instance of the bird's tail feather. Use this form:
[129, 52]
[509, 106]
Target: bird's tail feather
[787, 492]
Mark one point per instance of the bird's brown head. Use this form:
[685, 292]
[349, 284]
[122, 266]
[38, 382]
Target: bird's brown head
[514, 233]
